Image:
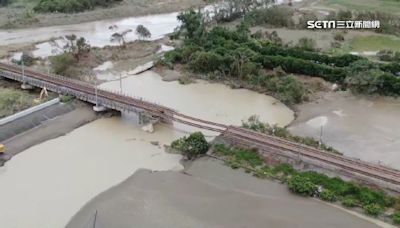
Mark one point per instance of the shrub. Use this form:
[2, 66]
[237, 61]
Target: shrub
[301, 185]
[350, 202]
[277, 16]
[70, 6]
[396, 218]
[61, 63]
[307, 44]
[66, 98]
[338, 36]
[191, 146]
[143, 32]
[328, 195]
[372, 209]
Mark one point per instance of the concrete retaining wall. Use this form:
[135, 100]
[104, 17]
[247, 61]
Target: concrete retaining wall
[28, 111]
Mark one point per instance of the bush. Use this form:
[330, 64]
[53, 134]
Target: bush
[350, 202]
[243, 157]
[143, 32]
[307, 44]
[372, 209]
[276, 16]
[338, 36]
[328, 195]
[396, 218]
[70, 6]
[191, 146]
[301, 185]
[66, 98]
[61, 63]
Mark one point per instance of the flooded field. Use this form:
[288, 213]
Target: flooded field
[364, 128]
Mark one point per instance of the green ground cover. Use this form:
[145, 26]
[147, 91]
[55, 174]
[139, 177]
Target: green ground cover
[375, 43]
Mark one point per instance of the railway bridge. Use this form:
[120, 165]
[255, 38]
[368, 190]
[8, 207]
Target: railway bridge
[267, 145]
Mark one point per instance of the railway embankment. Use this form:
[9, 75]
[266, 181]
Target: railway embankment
[42, 125]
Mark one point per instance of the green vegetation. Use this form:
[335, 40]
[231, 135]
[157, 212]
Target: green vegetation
[396, 218]
[62, 63]
[372, 209]
[387, 6]
[191, 146]
[70, 6]
[328, 195]
[66, 98]
[237, 55]
[75, 49]
[350, 202]
[302, 185]
[374, 43]
[255, 124]
[142, 32]
[310, 183]
[12, 101]
[389, 55]
[4, 2]
[276, 16]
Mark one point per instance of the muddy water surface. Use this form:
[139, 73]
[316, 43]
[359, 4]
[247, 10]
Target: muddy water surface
[211, 101]
[364, 128]
[47, 184]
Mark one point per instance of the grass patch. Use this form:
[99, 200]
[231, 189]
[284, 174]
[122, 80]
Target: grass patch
[388, 6]
[375, 43]
[12, 101]
[374, 202]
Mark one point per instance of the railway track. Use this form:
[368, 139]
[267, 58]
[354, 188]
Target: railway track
[239, 135]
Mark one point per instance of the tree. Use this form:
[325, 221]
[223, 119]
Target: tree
[76, 46]
[4, 2]
[61, 63]
[142, 32]
[120, 37]
[191, 146]
[192, 23]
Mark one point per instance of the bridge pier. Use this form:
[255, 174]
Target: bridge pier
[26, 86]
[98, 108]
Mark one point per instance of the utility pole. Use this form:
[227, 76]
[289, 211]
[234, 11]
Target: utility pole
[95, 92]
[23, 71]
[320, 135]
[95, 219]
[120, 81]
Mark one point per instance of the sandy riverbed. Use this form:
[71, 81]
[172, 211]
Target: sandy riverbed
[210, 194]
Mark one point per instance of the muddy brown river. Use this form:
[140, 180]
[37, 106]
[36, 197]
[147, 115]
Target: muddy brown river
[56, 178]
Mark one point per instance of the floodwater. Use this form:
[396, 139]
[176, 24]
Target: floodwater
[211, 101]
[47, 184]
[211, 195]
[364, 128]
[98, 33]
